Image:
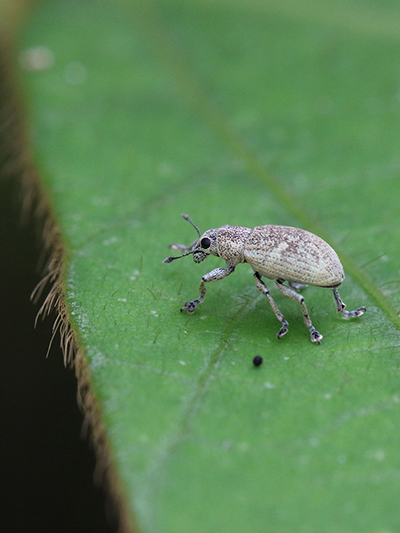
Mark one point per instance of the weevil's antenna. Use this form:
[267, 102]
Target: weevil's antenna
[186, 217]
[170, 259]
[180, 247]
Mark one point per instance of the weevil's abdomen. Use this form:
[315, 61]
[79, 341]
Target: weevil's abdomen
[292, 254]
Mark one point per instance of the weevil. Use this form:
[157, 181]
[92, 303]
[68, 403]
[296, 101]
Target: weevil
[293, 257]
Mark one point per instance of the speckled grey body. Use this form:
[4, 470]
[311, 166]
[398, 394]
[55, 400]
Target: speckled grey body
[281, 253]
[294, 255]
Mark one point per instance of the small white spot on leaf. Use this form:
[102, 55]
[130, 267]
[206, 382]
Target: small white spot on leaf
[111, 240]
[37, 58]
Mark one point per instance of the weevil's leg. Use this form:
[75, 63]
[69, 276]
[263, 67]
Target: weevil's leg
[341, 307]
[297, 286]
[214, 275]
[263, 288]
[293, 295]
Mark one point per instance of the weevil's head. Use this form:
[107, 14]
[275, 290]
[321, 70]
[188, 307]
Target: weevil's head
[205, 245]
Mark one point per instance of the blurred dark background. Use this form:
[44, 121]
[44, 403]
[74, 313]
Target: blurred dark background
[46, 467]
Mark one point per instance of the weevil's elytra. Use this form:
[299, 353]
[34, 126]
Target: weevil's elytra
[282, 253]
[293, 254]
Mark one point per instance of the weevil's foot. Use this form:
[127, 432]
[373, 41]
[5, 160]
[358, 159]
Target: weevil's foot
[353, 314]
[283, 330]
[315, 336]
[190, 307]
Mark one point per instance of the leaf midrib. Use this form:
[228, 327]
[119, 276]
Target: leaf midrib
[183, 428]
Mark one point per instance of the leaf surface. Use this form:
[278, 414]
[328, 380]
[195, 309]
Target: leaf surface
[244, 114]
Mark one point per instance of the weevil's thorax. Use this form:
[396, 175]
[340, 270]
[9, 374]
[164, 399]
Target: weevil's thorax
[231, 241]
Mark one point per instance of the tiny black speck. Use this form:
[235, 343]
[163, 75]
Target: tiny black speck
[257, 360]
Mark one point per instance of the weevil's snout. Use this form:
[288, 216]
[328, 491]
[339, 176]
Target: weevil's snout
[198, 257]
[201, 250]
[198, 254]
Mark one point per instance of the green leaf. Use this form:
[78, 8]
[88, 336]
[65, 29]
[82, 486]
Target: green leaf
[245, 114]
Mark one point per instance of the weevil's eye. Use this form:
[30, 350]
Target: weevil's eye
[205, 243]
